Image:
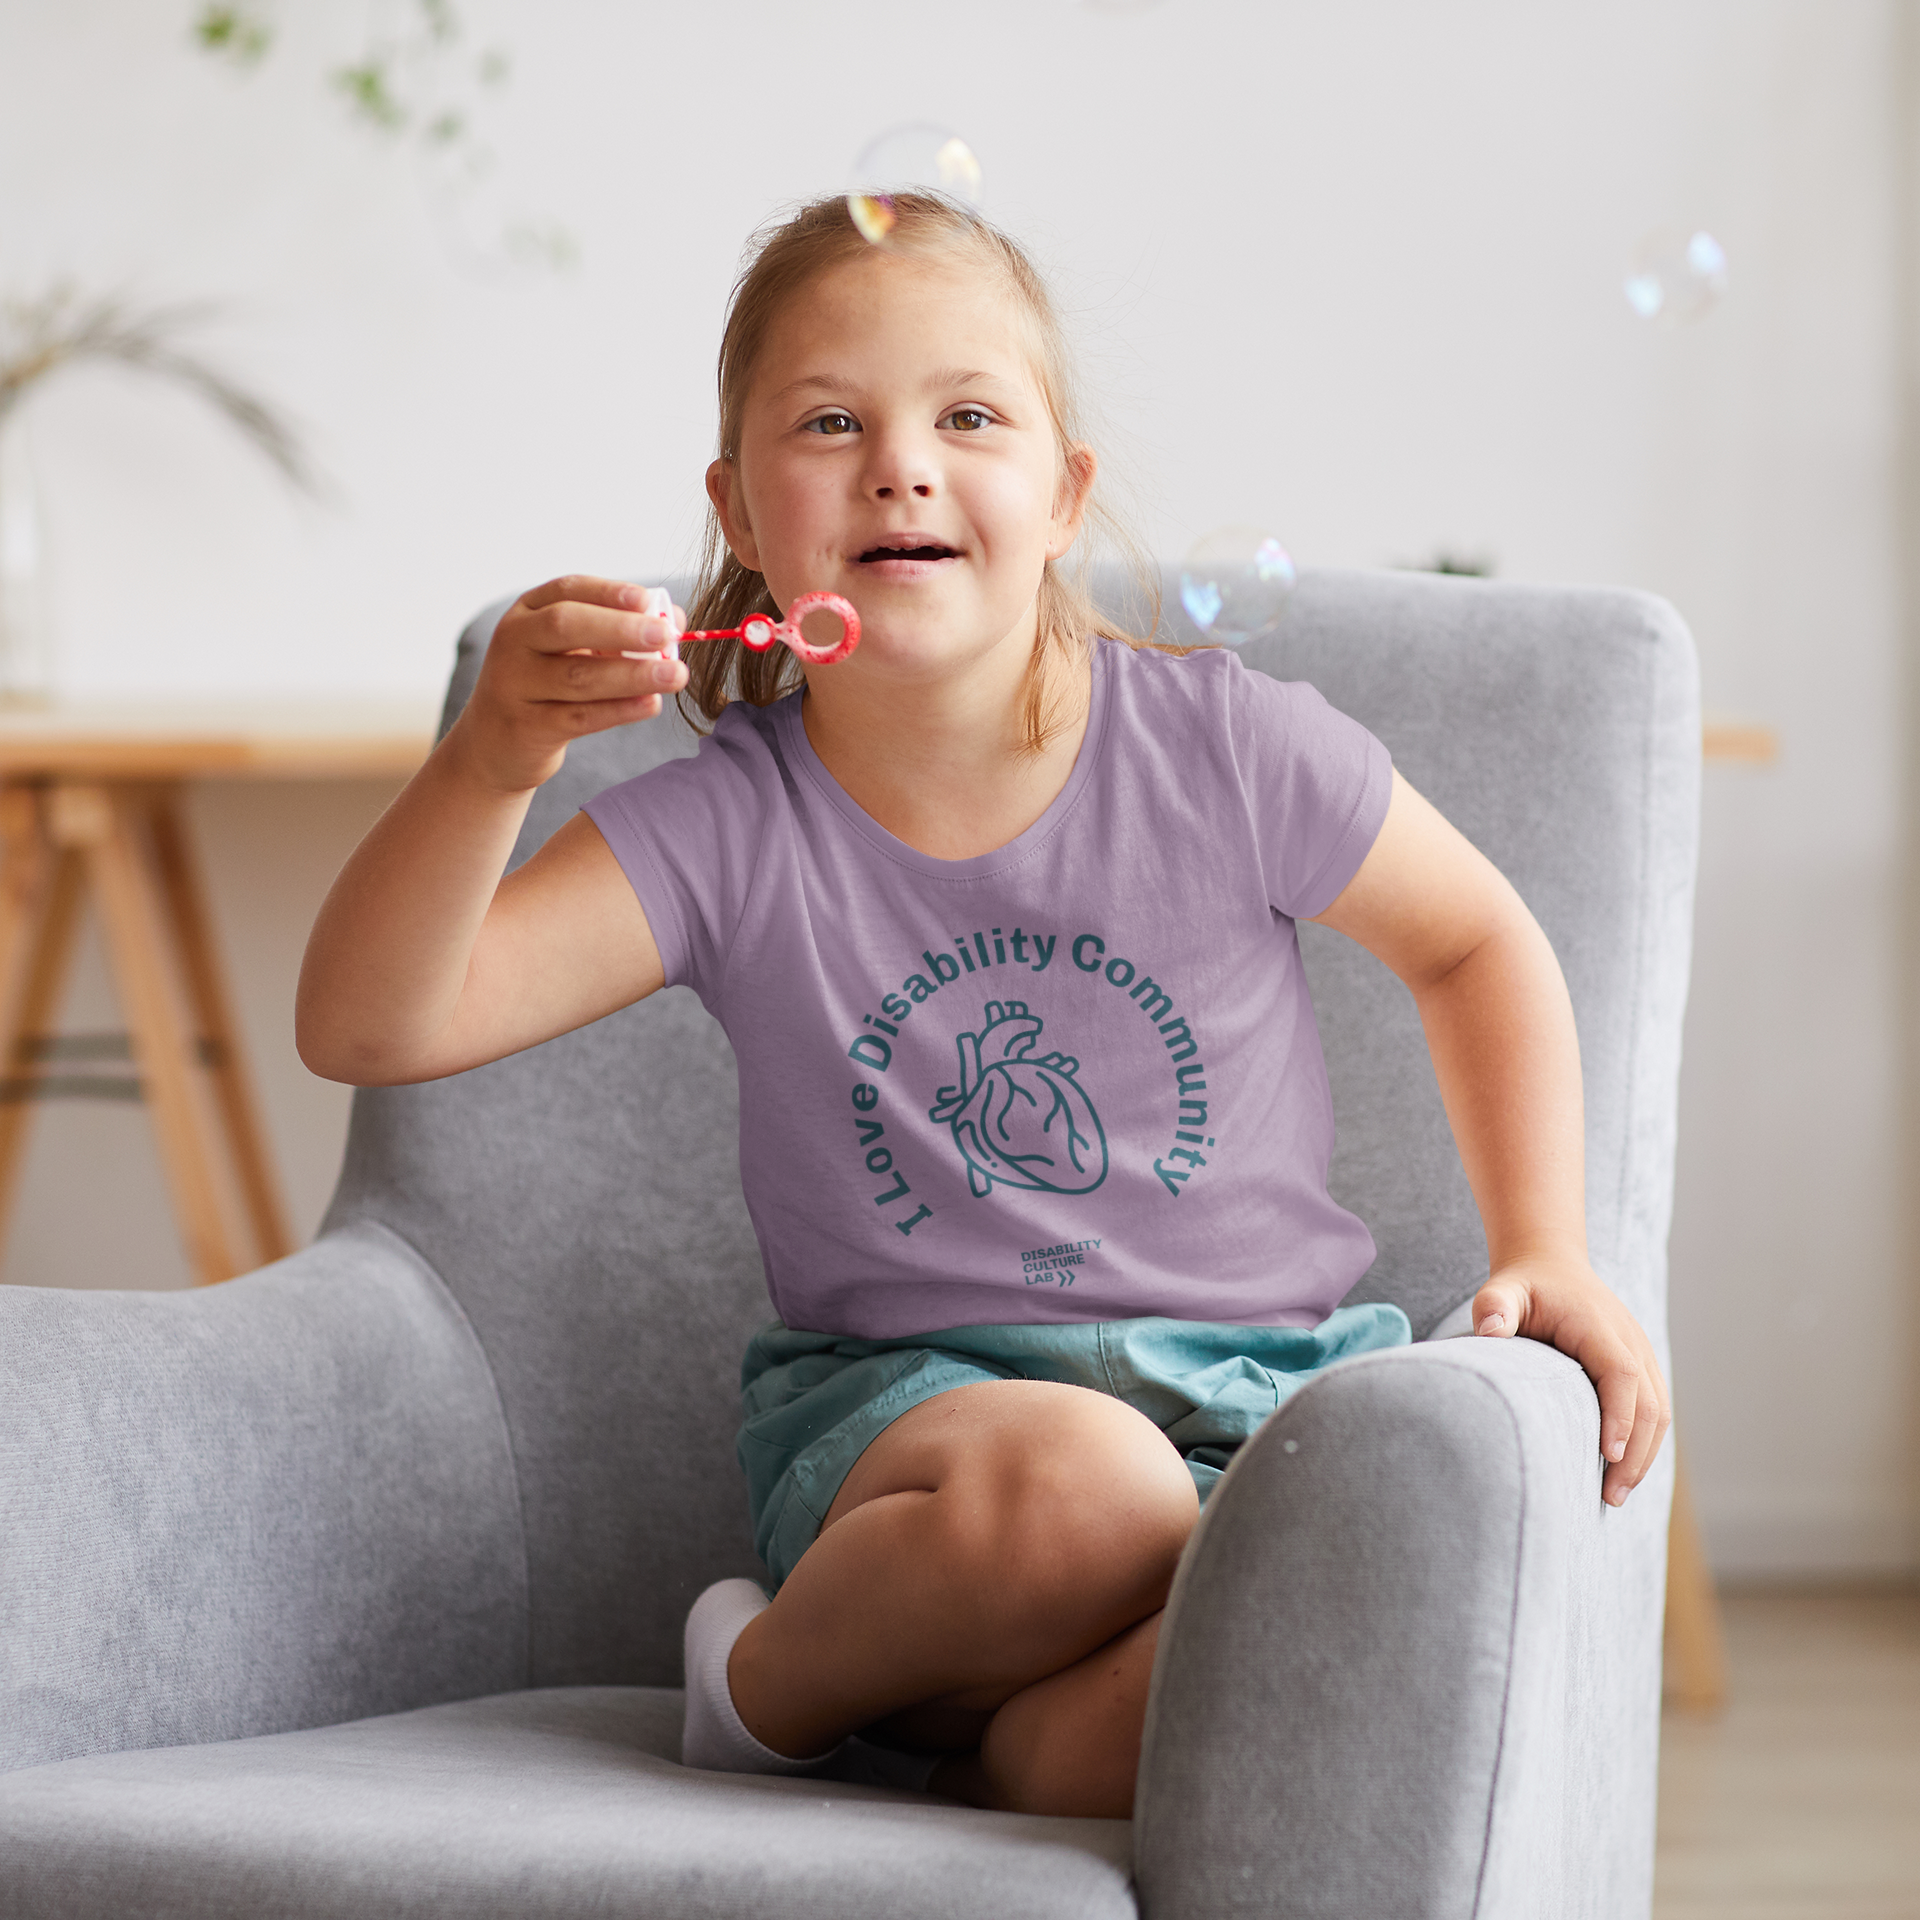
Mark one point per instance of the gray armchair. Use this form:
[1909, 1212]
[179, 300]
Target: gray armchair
[354, 1587]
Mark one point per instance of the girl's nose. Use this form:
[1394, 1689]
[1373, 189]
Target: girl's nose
[900, 470]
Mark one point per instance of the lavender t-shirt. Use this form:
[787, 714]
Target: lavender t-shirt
[1077, 1078]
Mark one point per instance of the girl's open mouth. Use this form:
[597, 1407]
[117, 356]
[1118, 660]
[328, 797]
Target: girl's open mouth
[910, 549]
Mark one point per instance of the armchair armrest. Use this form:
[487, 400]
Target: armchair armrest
[1411, 1663]
[281, 1502]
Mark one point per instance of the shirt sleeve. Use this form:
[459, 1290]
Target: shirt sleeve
[685, 834]
[1317, 785]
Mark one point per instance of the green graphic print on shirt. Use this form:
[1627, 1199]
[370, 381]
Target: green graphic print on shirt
[1024, 1121]
[1018, 1119]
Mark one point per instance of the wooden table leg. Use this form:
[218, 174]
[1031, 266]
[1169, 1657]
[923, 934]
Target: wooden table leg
[128, 842]
[102, 825]
[1696, 1654]
[39, 915]
[28, 1016]
[185, 899]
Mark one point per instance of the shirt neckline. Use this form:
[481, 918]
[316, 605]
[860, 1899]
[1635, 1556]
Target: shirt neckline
[801, 754]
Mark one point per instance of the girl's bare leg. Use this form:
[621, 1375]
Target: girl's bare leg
[1069, 1743]
[991, 1538]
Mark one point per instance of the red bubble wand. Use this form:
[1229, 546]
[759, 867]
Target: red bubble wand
[759, 630]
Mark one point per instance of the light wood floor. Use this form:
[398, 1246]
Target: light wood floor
[1802, 1800]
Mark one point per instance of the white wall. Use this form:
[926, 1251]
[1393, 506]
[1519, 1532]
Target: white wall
[1352, 270]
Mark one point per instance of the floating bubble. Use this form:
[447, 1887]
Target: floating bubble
[904, 160]
[1235, 584]
[1676, 276]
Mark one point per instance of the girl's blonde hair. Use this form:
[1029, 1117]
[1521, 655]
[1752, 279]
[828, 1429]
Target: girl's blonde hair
[784, 258]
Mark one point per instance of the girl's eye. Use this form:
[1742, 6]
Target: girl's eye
[832, 423]
[968, 419]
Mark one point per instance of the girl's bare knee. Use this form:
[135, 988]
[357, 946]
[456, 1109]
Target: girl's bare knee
[1050, 1517]
[1087, 1505]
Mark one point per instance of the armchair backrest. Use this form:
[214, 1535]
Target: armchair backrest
[582, 1200]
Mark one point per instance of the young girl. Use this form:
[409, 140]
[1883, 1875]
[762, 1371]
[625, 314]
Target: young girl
[998, 913]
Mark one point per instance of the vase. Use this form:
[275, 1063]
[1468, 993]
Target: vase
[26, 652]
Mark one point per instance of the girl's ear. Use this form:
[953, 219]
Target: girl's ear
[731, 511]
[1070, 503]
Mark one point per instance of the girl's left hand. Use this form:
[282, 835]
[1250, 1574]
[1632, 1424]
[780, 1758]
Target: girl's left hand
[1565, 1303]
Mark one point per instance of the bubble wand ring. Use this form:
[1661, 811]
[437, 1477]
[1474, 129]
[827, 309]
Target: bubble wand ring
[759, 631]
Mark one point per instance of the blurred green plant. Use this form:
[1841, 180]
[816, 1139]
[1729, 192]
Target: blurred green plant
[418, 82]
[370, 96]
[39, 337]
[241, 34]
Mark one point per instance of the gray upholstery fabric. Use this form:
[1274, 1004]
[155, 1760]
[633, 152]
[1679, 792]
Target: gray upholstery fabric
[520, 1807]
[276, 1503]
[1415, 1544]
[478, 1439]
[583, 1199]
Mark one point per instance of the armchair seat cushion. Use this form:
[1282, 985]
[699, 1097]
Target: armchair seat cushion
[560, 1801]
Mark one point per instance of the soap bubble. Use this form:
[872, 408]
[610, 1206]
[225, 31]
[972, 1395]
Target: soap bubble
[1676, 276]
[904, 160]
[1235, 584]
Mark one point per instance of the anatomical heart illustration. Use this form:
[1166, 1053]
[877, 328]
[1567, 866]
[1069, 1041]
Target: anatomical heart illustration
[1018, 1119]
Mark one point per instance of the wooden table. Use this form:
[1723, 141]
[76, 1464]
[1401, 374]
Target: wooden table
[90, 801]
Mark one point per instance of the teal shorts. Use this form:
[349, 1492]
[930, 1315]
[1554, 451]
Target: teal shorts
[814, 1402]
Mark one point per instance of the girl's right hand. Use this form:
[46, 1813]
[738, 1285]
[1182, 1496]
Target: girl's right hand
[573, 657]
[425, 961]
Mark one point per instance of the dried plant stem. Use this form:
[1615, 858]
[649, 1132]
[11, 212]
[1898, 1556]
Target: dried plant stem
[40, 336]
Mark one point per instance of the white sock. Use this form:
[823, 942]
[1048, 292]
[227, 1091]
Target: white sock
[713, 1735]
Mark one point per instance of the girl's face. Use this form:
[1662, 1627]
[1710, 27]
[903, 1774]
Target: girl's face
[895, 447]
